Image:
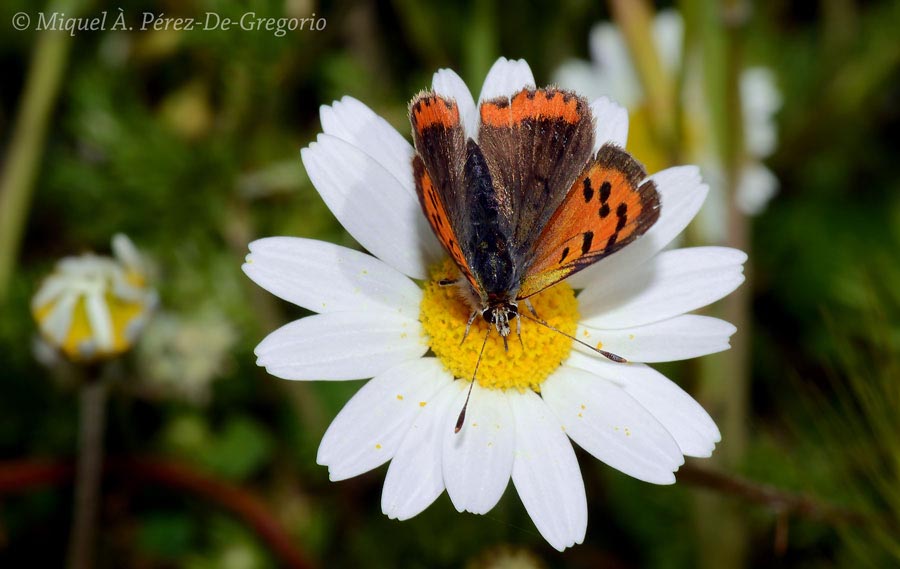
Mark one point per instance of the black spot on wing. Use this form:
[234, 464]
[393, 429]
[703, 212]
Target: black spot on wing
[622, 214]
[588, 190]
[605, 191]
[586, 243]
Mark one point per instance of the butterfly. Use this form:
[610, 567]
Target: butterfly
[529, 203]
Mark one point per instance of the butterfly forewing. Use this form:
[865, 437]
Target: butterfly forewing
[608, 206]
[535, 143]
[438, 172]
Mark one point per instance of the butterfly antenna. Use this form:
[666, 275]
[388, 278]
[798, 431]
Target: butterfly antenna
[462, 414]
[608, 355]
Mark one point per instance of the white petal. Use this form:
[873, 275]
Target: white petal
[372, 205]
[354, 122]
[668, 34]
[448, 84]
[58, 322]
[324, 277]
[126, 252]
[673, 283]
[415, 476]
[545, 472]
[681, 194]
[679, 338]
[99, 319]
[123, 289]
[689, 424]
[608, 423]
[478, 460]
[610, 123]
[581, 77]
[610, 54]
[340, 345]
[369, 429]
[50, 289]
[506, 78]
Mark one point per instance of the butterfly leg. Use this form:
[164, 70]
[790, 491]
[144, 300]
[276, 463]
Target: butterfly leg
[447, 282]
[519, 332]
[531, 308]
[468, 326]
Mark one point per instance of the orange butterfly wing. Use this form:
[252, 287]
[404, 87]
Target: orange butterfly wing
[606, 209]
[437, 171]
[437, 216]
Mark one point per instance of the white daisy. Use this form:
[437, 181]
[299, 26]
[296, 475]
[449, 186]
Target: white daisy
[93, 307]
[611, 73]
[376, 321]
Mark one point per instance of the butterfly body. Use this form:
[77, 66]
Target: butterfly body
[529, 203]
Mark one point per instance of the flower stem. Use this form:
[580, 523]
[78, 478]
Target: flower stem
[635, 19]
[87, 479]
[45, 72]
[724, 379]
[779, 501]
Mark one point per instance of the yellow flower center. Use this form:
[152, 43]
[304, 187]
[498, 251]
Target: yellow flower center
[444, 314]
[121, 313]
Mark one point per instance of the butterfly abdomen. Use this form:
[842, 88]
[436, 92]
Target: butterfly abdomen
[491, 261]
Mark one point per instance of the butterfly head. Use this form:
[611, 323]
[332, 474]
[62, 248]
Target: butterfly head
[500, 314]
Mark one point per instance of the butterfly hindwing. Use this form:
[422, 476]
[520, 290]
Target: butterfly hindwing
[535, 143]
[606, 208]
[438, 172]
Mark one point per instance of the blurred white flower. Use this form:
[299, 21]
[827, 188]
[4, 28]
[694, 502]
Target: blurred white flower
[612, 73]
[93, 307]
[181, 355]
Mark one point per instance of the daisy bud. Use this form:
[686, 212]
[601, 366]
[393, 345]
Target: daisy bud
[93, 307]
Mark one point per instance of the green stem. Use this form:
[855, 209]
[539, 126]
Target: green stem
[714, 29]
[736, 306]
[92, 424]
[635, 20]
[48, 63]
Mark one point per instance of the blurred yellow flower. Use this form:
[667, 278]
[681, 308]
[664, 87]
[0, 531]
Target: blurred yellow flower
[93, 307]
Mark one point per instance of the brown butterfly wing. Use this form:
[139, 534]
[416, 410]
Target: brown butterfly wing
[606, 208]
[438, 172]
[535, 143]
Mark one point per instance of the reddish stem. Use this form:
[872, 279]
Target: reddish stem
[19, 476]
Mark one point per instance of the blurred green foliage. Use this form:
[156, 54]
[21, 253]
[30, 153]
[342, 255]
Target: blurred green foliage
[188, 142]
